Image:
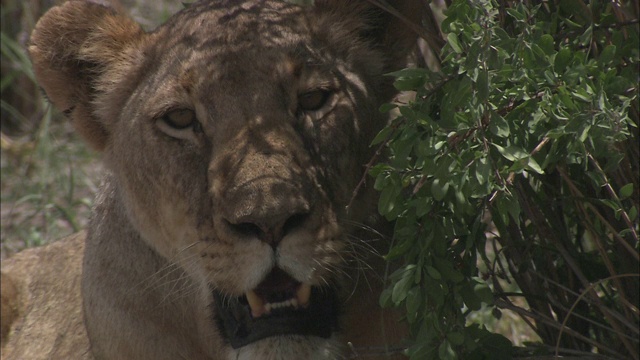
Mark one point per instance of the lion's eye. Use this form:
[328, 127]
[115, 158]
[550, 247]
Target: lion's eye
[180, 118]
[179, 123]
[313, 100]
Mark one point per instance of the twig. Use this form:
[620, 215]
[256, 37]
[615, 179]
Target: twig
[584, 293]
[539, 219]
[551, 322]
[613, 194]
[373, 160]
[614, 232]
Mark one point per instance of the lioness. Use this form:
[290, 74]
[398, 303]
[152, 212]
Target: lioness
[234, 136]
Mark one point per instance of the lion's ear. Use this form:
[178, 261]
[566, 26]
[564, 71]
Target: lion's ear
[79, 50]
[381, 23]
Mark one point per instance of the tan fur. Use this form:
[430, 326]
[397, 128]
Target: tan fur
[259, 183]
[10, 304]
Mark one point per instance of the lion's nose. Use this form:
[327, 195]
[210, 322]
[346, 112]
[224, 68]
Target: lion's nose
[270, 227]
[268, 193]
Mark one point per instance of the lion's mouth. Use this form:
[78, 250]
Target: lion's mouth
[279, 305]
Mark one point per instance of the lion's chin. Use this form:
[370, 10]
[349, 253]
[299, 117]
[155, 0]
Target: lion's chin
[278, 307]
[290, 347]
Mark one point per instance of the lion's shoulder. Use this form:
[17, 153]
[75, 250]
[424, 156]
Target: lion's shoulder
[41, 298]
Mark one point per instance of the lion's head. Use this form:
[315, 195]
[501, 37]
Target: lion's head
[235, 135]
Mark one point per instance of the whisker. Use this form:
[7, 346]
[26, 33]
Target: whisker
[166, 275]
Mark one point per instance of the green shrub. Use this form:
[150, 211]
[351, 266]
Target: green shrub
[513, 181]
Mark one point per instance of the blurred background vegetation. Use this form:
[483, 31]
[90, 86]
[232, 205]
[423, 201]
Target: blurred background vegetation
[512, 175]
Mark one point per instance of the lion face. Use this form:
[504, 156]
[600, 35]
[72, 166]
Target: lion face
[249, 142]
[235, 135]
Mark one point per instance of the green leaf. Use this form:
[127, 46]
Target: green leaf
[434, 292]
[410, 78]
[456, 338]
[385, 298]
[483, 170]
[401, 288]
[400, 248]
[582, 95]
[386, 107]
[413, 303]
[433, 273]
[546, 43]
[625, 191]
[382, 135]
[409, 83]
[562, 60]
[550, 77]
[611, 204]
[423, 206]
[483, 292]
[578, 9]
[410, 72]
[388, 197]
[607, 55]
[445, 351]
[516, 14]
[511, 152]
[446, 269]
[532, 164]
[587, 36]
[443, 171]
[454, 42]
[381, 181]
[499, 126]
[566, 100]
[584, 133]
[439, 189]
[422, 350]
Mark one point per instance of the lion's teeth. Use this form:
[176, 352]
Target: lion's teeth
[259, 307]
[303, 294]
[256, 304]
[268, 307]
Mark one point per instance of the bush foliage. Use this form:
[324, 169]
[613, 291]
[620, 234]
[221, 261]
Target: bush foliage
[513, 181]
